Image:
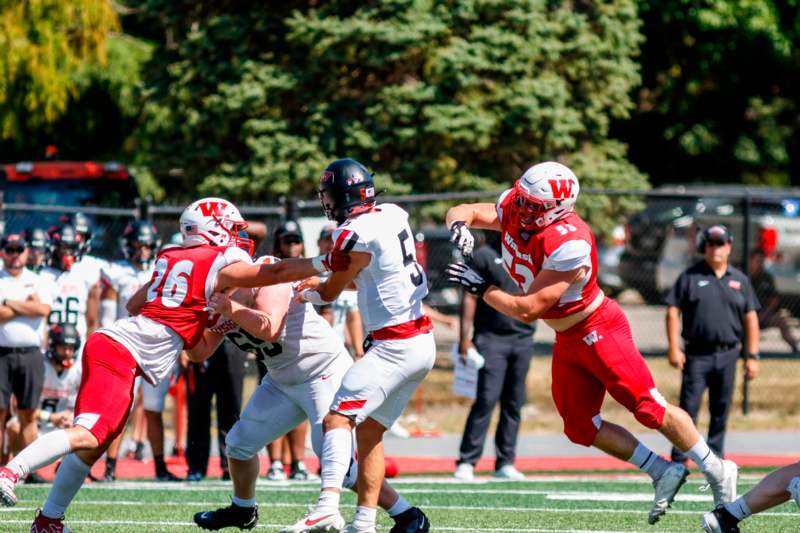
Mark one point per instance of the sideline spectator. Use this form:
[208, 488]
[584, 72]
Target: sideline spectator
[507, 347]
[713, 307]
[24, 305]
[38, 245]
[771, 314]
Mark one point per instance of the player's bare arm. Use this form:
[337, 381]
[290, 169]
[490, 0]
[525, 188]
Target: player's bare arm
[243, 275]
[137, 301]
[479, 216]
[328, 290]
[267, 316]
[208, 343]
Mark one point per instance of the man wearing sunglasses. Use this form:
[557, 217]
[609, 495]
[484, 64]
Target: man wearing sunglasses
[24, 306]
[714, 308]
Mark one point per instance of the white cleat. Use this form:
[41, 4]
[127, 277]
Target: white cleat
[667, 486]
[464, 472]
[353, 529]
[8, 480]
[794, 489]
[724, 490]
[509, 473]
[276, 472]
[317, 521]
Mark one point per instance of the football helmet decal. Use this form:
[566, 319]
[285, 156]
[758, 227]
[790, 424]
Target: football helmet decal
[545, 193]
[346, 188]
[214, 221]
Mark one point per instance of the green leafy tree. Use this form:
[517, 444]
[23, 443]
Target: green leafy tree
[718, 101]
[252, 102]
[47, 47]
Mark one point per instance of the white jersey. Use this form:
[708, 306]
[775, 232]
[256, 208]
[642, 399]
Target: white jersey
[392, 286]
[125, 279]
[91, 267]
[304, 350]
[60, 389]
[71, 296]
[346, 303]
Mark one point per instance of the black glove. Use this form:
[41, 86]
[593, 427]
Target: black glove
[462, 237]
[461, 274]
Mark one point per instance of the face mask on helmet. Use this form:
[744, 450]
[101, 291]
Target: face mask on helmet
[530, 210]
[63, 343]
[213, 221]
[346, 189]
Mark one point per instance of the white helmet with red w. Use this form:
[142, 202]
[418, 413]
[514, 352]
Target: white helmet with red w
[545, 193]
[214, 221]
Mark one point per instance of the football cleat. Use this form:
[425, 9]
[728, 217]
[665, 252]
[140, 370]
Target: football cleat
[724, 490]
[34, 479]
[167, 476]
[719, 521]
[666, 487]
[411, 521]
[324, 520]
[794, 489]
[43, 524]
[276, 472]
[231, 516]
[8, 480]
[301, 473]
[508, 472]
[464, 472]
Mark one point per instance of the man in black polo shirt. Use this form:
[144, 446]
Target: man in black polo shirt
[717, 307]
[507, 346]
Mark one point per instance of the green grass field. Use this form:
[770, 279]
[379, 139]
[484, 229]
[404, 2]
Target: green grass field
[567, 504]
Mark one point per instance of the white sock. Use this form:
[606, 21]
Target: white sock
[335, 460]
[739, 508]
[41, 452]
[364, 517]
[400, 506]
[276, 465]
[648, 461]
[243, 502]
[69, 479]
[707, 460]
[328, 500]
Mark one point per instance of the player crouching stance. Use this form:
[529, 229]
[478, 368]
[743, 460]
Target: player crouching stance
[306, 361]
[776, 488]
[170, 315]
[551, 254]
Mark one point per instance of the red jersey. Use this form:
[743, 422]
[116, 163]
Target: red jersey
[182, 283]
[564, 245]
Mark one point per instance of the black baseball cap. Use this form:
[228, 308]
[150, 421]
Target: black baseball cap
[289, 228]
[717, 234]
[13, 240]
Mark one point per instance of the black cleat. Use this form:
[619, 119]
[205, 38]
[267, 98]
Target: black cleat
[411, 521]
[34, 479]
[720, 520]
[167, 476]
[231, 516]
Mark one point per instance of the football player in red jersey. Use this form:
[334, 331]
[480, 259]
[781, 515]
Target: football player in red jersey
[168, 314]
[551, 254]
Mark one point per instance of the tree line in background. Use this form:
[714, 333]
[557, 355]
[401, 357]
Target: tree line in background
[251, 99]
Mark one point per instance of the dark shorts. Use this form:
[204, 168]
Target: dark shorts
[21, 374]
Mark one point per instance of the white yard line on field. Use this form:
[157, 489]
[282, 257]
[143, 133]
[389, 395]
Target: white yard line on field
[266, 505]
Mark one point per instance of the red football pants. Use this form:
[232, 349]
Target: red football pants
[105, 396]
[595, 356]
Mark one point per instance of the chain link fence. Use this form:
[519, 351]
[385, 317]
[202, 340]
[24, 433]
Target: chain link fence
[645, 240]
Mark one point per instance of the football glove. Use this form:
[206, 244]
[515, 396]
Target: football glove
[461, 274]
[462, 237]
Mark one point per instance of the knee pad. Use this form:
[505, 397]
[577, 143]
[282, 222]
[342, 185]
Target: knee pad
[236, 445]
[582, 431]
[352, 475]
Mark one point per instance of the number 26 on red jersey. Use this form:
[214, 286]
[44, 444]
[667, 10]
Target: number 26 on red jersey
[170, 285]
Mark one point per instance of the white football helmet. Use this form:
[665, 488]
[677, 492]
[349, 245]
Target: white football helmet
[214, 221]
[545, 193]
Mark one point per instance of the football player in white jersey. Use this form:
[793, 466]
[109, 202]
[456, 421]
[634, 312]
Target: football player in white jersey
[305, 364]
[391, 286]
[62, 376]
[72, 303]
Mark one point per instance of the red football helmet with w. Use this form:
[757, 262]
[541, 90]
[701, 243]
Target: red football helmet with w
[214, 221]
[545, 193]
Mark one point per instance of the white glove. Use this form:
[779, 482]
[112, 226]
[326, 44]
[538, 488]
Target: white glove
[462, 237]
